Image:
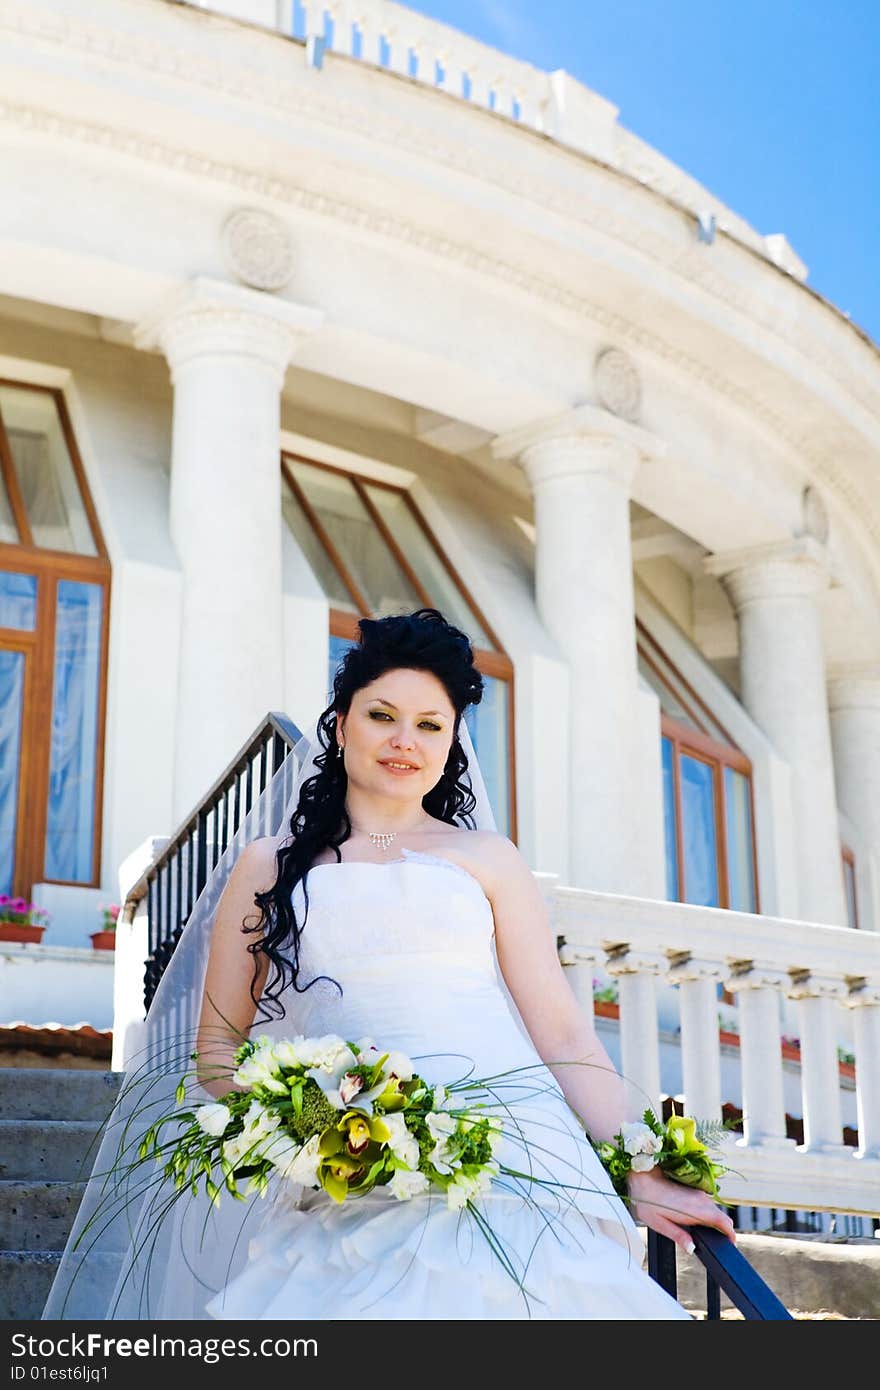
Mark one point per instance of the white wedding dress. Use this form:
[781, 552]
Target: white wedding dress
[410, 941]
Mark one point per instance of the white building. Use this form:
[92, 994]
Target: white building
[295, 327]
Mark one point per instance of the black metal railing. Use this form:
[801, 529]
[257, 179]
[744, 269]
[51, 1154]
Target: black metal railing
[175, 879]
[727, 1271]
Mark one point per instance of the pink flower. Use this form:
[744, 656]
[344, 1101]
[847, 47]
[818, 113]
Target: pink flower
[18, 905]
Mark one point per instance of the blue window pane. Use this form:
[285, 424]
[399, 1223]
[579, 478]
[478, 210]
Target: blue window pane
[698, 832]
[740, 860]
[669, 827]
[18, 601]
[11, 691]
[487, 726]
[72, 769]
[338, 647]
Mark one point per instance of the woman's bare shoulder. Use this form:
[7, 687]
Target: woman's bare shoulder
[487, 854]
[257, 864]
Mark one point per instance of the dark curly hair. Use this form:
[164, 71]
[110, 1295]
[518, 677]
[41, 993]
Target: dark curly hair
[422, 641]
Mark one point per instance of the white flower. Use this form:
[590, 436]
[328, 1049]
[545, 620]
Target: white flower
[442, 1157]
[406, 1184]
[259, 1121]
[639, 1138]
[235, 1149]
[643, 1163]
[304, 1168]
[349, 1087]
[213, 1119]
[289, 1051]
[260, 1069]
[330, 1053]
[441, 1096]
[402, 1143]
[464, 1189]
[400, 1065]
[496, 1135]
[297, 1162]
[440, 1123]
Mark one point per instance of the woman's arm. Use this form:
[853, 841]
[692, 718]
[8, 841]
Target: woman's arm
[565, 1039]
[228, 1007]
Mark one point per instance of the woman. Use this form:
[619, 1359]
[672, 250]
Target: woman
[403, 903]
[381, 914]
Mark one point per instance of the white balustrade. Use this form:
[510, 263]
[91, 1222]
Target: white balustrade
[758, 990]
[864, 1000]
[635, 972]
[697, 983]
[763, 960]
[818, 998]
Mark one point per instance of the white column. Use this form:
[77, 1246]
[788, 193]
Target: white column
[635, 972]
[697, 982]
[227, 348]
[854, 702]
[774, 589]
[864, 1000]
[818, 1002]
[580, 467]
[760, 1045]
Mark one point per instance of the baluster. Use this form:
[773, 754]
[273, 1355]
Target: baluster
[398, 52]
[503, 97]
[820, 1074]
[580, 963]
[453, 76]
[315, 25]
[481, 85]
[343, 28]
[371, 38]
[864, 1000]
[761, 1055]
[635, 972]
[700, 1051]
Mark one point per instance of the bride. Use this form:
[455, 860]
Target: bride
[379, 912]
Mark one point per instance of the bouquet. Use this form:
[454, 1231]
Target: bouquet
[327, 1113]
[679, 1148]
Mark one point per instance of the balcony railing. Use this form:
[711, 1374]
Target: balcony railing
[762, 960]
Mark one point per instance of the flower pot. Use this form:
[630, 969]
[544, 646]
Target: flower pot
[104, 940]
[606, 1008]
[20, 931]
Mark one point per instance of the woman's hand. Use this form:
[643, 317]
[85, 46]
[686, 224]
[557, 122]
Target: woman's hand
[669, 1208]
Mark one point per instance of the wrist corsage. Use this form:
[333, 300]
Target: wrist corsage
[679, 1147]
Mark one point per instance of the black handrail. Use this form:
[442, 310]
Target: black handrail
[727, 1270]
[177, 876]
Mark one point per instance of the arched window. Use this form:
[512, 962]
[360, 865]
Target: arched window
[707, 794]
[54, 598]
[374, 554]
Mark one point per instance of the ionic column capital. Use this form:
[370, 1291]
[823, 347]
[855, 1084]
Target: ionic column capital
[576, 443]
[863, 994]
[214, 319]
[687, 971]
[757, 977]
[815, 986]
[854, 685]
[786, 569]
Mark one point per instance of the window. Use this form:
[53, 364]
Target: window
[54, 598]
[707, 794]
[849, 886]
[374, 554]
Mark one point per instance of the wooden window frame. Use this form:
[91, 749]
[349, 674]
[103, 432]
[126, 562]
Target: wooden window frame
[50, 567]
[704, 747]
[345, 625]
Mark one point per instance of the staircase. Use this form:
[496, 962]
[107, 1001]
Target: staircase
[50, 1121]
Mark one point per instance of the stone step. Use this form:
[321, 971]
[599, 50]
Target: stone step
[55, 1093]
[37, 1215]
[48, 1150]
[25, 1279]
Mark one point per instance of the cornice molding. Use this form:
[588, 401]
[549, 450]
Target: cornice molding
[240, 81]
[556, 295]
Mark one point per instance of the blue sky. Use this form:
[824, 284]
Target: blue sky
[772, 104]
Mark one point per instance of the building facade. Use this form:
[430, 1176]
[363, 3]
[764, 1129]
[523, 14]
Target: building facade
[303, 319]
